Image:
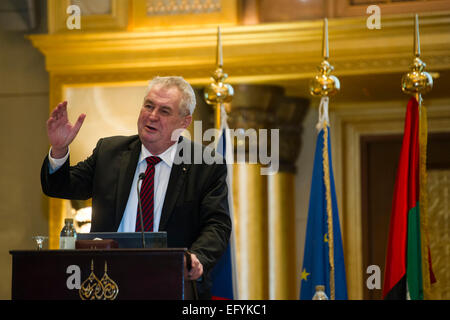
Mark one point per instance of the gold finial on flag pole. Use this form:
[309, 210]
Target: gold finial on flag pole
[219, 55]
[417, 81]
[325, 52]
[325, 84]
[416, 37]
[217, 93]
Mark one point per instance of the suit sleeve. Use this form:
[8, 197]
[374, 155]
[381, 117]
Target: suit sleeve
[70, 182]
[215, 220]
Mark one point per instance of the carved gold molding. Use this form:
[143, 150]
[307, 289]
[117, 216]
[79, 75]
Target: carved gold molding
[258, 54]
[163, 14]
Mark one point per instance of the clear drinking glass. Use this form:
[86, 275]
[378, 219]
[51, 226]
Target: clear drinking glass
[39, 241]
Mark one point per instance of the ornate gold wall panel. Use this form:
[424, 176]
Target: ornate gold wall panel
[163, 14]
[142, 14]
[117, 19]
[295, 10]
[347, 8]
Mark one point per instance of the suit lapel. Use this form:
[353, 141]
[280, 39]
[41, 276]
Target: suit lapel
[177, 179]
[127, 168]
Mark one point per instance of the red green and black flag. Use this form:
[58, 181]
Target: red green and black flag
[408, 269]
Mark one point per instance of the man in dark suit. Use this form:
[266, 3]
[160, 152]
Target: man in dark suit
[189, 199]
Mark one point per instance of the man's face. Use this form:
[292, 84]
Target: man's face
[160, 116]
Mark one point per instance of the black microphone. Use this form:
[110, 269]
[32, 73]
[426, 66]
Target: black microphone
[141, 177]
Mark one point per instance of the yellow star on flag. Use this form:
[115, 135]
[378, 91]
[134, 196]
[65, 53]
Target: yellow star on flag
[304, 275]
[325, 237]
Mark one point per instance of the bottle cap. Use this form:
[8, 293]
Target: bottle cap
[320, 288]
[68, 220]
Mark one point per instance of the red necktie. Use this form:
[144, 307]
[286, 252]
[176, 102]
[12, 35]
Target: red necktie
[147, 196]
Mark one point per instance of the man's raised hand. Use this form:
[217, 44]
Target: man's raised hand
[60, 131]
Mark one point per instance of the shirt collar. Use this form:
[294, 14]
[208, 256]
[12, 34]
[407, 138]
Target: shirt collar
[167, 156]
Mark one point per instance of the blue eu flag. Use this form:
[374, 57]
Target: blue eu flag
[316, 263]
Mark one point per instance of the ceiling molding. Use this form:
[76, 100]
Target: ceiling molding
[258, 53]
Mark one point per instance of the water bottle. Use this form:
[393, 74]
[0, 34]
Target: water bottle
[68, 235]
[320, 293]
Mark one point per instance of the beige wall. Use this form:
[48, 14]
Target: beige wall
[110, 110]
[23, 143]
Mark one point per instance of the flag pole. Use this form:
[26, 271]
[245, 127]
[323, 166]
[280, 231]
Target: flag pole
[324, 85]
[219, 64]
[218, 92]
[416, 83]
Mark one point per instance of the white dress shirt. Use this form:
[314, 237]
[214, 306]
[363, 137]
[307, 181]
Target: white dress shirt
[161, 180]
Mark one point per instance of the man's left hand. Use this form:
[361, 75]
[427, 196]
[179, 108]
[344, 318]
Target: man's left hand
[196, 270]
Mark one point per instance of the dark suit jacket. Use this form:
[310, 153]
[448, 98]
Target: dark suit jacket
[195, 212]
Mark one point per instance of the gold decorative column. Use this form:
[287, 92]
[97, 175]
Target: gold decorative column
[264, 205]
[250, 216]
[250, 111]
[288, 116]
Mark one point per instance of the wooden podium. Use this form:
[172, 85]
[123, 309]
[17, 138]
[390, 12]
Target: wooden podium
[126, 274]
